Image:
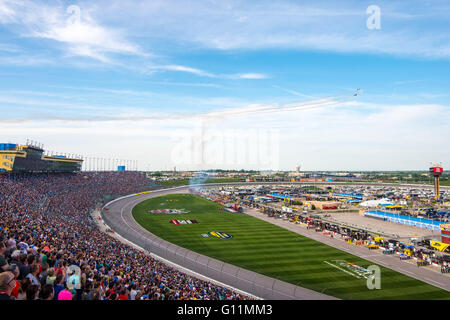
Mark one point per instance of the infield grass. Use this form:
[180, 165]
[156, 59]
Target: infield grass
[271, 250]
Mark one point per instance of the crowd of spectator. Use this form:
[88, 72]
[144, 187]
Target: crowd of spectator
[51, 248]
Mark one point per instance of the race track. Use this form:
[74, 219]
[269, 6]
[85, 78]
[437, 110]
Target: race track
[117, 214]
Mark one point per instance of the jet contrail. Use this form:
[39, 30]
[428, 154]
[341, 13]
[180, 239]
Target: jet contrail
[235, 112]
[316, 103]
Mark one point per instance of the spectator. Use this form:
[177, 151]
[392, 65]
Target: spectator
[47, 292]
[123, 295]
[24, 284]
[88, 291]
[65, 294]
[10, 247]
[23, 266]
[15, 259]
[7, 284]
[50, 277]
[133, 292]
[43, 274]
[14, 269]
[32, 292]
[3, 263]
[59, 286]
[34, 270]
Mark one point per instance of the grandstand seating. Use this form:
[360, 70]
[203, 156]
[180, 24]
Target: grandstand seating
[46, 222]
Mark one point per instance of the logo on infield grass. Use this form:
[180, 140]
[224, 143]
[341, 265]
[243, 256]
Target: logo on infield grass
[220, 235]
[169, 211]
[372, 274]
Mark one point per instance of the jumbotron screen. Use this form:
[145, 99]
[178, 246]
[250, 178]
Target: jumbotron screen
[436, 170]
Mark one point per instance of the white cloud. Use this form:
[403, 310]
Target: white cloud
[251, 76]
[76, 30]
[202, 73]
[26, 60]
[182, 69]
[7, 15]
[408, 28]
[9, 48]
[85, 37]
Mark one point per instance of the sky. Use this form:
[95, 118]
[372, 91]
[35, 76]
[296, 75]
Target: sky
[327, 85]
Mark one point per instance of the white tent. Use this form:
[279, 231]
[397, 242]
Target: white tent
[375, 203]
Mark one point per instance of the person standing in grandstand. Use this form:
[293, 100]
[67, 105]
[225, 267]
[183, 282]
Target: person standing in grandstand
[15, 260]
[3, 263]
[23, 266]
[14, 269]
[88, 291]
[122, 295]
[47, 292]
[50, 277]
[34, 270]
[24, 284]
[10, 247]
[43, 275]
[59, 286]
[133, 292]
[32, 292]
[7, 285]
[65, 294]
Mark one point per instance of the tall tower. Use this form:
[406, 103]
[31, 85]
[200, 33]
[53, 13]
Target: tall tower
[436, 170]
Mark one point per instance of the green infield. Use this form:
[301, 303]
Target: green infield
[262, 247]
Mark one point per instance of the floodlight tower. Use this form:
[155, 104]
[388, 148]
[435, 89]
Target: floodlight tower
[436, 170]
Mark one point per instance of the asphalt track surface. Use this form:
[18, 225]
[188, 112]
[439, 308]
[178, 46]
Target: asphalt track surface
[118, 216]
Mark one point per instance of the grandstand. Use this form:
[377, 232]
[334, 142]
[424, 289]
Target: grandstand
[46, 226]
[29, 158]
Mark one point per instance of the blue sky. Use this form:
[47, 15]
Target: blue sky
[129, 80]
